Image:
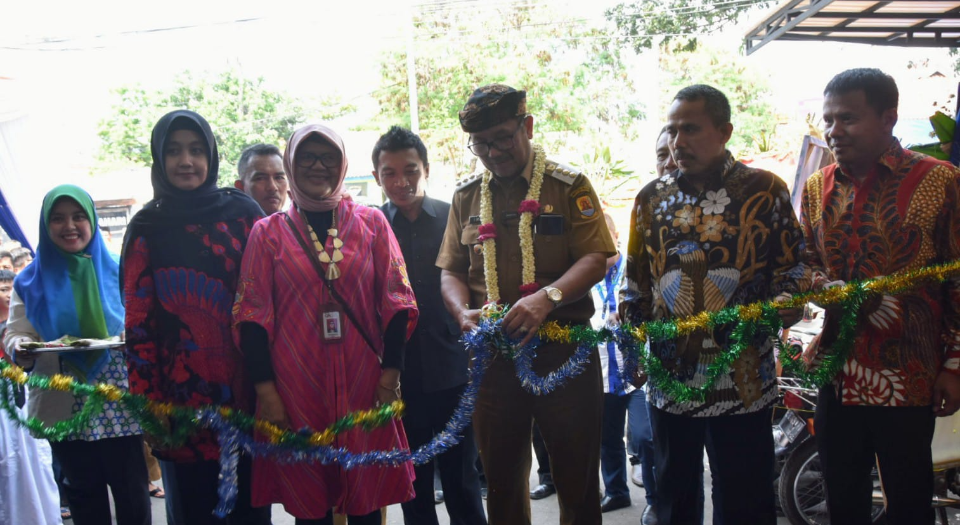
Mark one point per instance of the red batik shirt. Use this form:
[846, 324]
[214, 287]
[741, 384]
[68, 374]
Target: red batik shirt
[901, 217]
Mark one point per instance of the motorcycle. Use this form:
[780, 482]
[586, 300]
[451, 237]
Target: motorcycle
[800, 486]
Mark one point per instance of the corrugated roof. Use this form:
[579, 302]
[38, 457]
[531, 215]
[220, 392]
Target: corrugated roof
[909, 23]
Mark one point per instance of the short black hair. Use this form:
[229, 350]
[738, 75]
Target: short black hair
[7, 276]
[4, 254]
[396, 139]
[255, 151]
[879, 88]
[715, 102]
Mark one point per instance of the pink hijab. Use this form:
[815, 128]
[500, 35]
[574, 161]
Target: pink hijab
[307, 203]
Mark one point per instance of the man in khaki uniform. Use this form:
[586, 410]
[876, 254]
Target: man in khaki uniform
[570, 244]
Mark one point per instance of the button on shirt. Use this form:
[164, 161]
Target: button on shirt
[435, 359]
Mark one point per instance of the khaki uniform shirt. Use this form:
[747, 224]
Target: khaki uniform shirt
[570, 226]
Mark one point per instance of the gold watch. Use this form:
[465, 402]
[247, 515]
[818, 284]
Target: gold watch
[554, 294]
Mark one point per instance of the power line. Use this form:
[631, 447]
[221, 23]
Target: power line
[448, 7]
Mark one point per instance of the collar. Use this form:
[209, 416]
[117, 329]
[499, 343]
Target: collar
[891, 159]
[715, 179]
[426, 205]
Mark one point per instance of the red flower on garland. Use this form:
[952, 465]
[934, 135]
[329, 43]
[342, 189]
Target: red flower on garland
[531, 206]
[530, 288]
[487, 231]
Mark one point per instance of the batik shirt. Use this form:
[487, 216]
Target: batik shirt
[900, 217]
[737, 241]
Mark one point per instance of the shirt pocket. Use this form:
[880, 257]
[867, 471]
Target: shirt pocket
[470, 239]
[551, 255]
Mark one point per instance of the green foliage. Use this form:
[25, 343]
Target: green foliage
[607, 174]
[577, 79]
[944, 128]
[240, 110]
[649, 22]
[745, 87]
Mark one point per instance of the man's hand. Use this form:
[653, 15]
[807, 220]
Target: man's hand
[612, 320]
[469, 320]
[831, 284]
[946, 394]
[526, 315]
[789, 316]
[271, 406]
[639, 378]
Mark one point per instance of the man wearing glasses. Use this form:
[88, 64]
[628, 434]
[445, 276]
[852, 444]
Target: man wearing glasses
[570, 244]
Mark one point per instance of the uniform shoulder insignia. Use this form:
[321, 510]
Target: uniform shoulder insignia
[562, 172]
[469, 180]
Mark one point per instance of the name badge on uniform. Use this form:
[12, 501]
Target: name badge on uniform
[332, 322]
[474, 219]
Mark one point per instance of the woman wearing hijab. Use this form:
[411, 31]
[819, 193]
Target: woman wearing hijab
[72, 289]
[323, 312]
[181, 261]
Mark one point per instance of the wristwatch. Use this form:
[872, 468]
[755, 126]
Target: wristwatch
[554, 294]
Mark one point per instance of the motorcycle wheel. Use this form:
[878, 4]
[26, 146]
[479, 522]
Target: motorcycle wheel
[802, 493]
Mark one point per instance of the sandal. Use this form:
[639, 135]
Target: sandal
[65, 513]
[156, 492]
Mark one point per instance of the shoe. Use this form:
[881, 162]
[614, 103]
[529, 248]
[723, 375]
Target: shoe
[607, 503]
[542, 491]
[636, 475]
[437, 497]
[649, 516]
[156, 492]
[65, 513]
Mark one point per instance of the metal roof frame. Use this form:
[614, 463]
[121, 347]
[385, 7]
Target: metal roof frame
[908, 23]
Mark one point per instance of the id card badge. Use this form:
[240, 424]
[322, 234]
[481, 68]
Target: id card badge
[332, 322]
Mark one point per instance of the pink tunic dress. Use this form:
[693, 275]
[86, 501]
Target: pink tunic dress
[318, 381]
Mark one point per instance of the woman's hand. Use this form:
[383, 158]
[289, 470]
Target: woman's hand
[388, 388]
[25, 358]
[270, 405]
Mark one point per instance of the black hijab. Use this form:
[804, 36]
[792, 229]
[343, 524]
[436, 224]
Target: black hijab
[171, 206]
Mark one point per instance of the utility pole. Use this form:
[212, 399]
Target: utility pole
[412, 76]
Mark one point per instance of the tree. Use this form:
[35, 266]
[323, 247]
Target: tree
[580, 82]
[240, 110]
[754, 117]
[649, 22]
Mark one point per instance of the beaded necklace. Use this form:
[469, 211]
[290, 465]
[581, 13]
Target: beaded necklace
[331, 260]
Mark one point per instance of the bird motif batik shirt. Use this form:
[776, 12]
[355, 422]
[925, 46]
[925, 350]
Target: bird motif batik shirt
[736, 241]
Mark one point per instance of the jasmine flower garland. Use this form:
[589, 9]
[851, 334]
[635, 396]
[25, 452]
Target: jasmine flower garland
[488, 231]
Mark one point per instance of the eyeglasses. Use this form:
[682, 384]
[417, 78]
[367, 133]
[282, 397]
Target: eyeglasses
[307, 160]
[503, 144]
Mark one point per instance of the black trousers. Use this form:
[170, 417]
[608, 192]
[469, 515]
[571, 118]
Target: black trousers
[196, 490]
[741, 460]
[89, 467]
[427, 415]
[850, 439]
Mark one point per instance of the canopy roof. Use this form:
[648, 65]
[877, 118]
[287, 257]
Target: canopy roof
[917, 23]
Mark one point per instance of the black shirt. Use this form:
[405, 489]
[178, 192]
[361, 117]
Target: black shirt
[435, 359]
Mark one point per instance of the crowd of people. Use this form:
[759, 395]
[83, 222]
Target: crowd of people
[303, 313]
